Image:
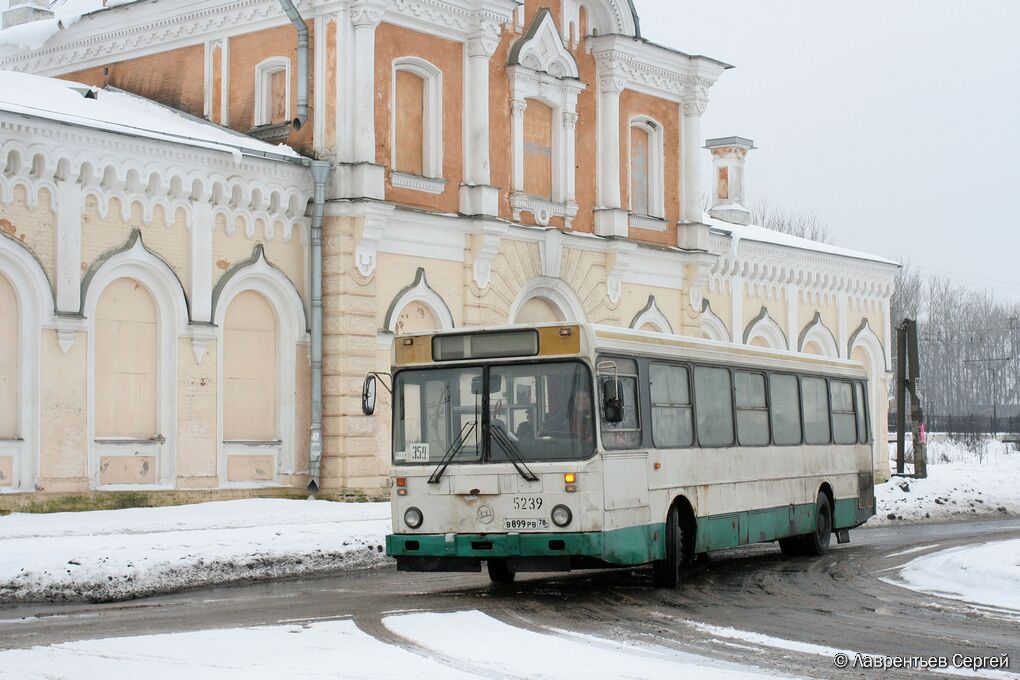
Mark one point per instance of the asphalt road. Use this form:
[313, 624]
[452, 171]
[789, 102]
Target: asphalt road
[837, 601]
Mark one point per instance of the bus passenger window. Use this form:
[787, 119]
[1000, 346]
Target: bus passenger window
[844, 426]
[752, 410]
[815, 400]
[862, 414]
[713, 396]
[625, 434]
[672, 423]
[785, 409]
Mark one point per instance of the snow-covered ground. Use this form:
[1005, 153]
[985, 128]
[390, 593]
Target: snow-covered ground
[472, 645]
[118, 554]
[962, 482]
[987, 575]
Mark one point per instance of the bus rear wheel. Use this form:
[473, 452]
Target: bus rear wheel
[817, 542]
[670, 572]
[500, 571]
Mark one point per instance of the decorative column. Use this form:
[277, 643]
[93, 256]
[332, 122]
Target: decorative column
[517, 109]
[610, 217]
[359, 176]
[70, 203]
[365, 17]
[695, 102]
[477, 196]
[569, 138]
[737, 308]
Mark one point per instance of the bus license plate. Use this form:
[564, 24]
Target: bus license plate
[515, 524]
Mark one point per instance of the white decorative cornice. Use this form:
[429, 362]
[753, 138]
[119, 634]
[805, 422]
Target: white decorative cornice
[625, 62]
[149, 173]
[376, 219]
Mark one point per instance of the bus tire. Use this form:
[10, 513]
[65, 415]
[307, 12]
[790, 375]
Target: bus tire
[817, 542]
[670, 572]
[500, 572]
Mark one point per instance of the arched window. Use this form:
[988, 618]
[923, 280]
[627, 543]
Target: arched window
[538, 150]
[9, 356]
[417, 122]
[272, 91]
[646, 168]
[126, 362]
[249, 370]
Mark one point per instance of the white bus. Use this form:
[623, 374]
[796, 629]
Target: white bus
[557, 447]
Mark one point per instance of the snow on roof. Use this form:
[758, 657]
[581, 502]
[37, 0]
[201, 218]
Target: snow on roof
[752, 232]
[35, 34]
[123, 113]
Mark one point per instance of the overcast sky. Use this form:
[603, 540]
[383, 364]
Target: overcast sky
[896, 121]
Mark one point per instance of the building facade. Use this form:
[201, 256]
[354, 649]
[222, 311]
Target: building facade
[490, 162]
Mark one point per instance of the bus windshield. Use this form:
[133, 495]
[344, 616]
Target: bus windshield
[535, 411]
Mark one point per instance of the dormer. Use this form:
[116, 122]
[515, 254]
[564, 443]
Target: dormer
[544, 86]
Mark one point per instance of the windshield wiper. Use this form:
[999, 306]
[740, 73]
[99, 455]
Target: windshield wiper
[451, 452]
[512, 453]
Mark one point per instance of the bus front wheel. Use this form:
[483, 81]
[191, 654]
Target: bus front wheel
[500, 572]
[670, 572]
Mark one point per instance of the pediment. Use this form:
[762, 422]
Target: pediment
[541, 49]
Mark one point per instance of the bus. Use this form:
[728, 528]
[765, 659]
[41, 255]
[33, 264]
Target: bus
[553, 447]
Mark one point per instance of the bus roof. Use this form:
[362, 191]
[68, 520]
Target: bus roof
[595, 338]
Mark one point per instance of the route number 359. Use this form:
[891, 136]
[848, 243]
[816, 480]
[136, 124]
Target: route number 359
[527, 503]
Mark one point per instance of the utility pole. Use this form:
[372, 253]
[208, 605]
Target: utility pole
[907, 379]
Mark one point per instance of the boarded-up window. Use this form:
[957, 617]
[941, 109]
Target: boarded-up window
[9, 347]
[416, 317]
[410, 122]
[639, 174]
[538, 160]
[278, 96]
[126, 362]
[249, 370]
[539, 310]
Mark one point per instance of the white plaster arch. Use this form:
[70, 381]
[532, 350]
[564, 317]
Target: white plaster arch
[419, 291]
[541, 49]
[865, 339]
[555, 291]
[258, 275]
[712, 326]
[35, 308]
[136, 262]
[612, 16]
[765, 327]
[651, 314]
[816, 331]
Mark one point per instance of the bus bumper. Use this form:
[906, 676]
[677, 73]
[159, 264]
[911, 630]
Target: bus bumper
[485, 546]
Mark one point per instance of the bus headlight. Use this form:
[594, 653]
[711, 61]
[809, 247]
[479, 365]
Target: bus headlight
[561, 515]
[413, 518]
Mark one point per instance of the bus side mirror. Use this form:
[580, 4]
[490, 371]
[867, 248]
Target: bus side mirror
[368, 392]
[612, 401]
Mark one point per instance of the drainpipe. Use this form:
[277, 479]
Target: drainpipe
[302, 60]
[320, 174]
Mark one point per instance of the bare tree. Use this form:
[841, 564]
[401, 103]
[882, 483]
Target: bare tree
[804, 225]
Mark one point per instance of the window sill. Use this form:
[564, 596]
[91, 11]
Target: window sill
[270, 131]
[542, 209]
[430, 185]
[648, 222]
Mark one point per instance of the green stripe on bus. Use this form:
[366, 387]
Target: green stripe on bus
[628, 546]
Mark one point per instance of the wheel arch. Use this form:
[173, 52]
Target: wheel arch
[688, 518]
[826, 489]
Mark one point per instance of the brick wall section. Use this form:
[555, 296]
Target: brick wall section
[175, 78]
[35, 229]
[349, 352]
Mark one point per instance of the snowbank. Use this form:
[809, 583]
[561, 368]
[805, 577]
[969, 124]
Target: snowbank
[987, 574]
[120, 554]
[473, 644]
[961, 483]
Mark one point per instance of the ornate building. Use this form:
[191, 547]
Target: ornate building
[164, 289]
